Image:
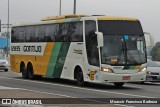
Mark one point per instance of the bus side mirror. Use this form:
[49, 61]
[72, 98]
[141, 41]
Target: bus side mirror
[100, 39]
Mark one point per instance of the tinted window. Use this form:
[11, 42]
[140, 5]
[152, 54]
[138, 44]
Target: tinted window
[21, 34]
[120, 27]
[91, 43]
[41, 32]
[63, 32]
[58, 32]
[14, 37]
[76, 32]
[36, 33]
[29, 34]
[50, 32]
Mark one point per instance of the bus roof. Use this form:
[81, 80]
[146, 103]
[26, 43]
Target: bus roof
[115, 18]
[71, 18]
[62, 17]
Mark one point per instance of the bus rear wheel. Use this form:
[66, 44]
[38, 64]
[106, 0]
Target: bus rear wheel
[23, 71]
[30, 71]
[119, 84]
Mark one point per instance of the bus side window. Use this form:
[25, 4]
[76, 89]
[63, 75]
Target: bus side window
[91, 43]
[29, 34]
[36, 34]
[21, 35]
[41, 33]
[76, 32]
[47, 36]
[63, 33]
[54, 30]
[14, 34]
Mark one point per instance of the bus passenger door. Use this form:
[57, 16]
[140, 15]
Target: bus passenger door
[92, 51]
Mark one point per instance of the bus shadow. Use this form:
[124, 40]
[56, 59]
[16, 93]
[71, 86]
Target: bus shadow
[156, 83]
[152, 84]
[73, 83]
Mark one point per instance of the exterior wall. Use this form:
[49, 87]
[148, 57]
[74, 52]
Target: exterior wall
[3, 42]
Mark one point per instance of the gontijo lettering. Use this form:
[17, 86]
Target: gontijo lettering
[32, 48]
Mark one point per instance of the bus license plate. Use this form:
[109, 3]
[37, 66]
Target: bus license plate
[126, 78]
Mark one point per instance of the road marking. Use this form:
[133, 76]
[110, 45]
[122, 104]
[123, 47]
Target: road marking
[111, 92]
[154, 83]
[57, 94]
[4, 87]
[47, 93]
[157, 83]
[62, 95]
[132, 86]
[124, 105]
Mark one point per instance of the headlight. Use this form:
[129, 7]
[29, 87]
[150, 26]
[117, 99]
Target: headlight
[148, 72]
[143, 69]
[107, 70]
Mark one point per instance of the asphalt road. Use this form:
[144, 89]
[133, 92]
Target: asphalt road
[53, 88]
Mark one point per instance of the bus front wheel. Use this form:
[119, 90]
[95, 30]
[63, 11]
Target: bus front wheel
[79, 77]
[119, 84]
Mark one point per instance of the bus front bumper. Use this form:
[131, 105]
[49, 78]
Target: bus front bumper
[112, 77]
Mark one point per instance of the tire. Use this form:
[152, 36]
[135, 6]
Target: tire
[79, 77]
[24, 72]
[6, 70]
[30, 72]
[142, 82]
[37, 77]
[119, 84]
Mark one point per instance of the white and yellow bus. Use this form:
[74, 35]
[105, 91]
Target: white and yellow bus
[96, 49]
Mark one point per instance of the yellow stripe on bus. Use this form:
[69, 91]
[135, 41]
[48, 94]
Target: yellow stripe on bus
[43, 61]
[40, 63]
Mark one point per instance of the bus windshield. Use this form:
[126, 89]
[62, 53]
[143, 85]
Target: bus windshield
[124, 48]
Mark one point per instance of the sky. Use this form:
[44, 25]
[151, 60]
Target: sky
[147, 11]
